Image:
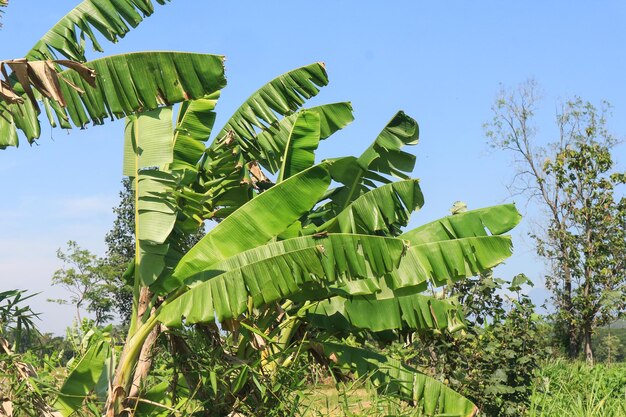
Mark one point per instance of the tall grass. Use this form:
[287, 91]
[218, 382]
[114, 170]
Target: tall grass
[575, 389]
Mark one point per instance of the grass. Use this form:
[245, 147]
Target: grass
[577, 390]
[562, 389]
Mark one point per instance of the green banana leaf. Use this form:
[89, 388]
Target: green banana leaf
[385, 154]
[282, 95]
[393, 377]
[148, 141]
[255, 136]
[109, 18]
[255, 223]
[273, 140]
[370, 246]
[267, 277]
[448, 261]
[389, 310]
[301, 145]
[360, 175]
[193, 128]
[165, 208]
[225, 167]
[487, 221]
[384, 209]
[83, 378]
[125, 84]
[436, 263]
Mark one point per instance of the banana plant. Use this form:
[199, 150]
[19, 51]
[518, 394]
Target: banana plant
[323, 258]
[333, 259]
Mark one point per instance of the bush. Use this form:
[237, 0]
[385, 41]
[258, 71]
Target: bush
[493, 360]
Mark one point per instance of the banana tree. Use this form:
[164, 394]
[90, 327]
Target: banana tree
[333, 259]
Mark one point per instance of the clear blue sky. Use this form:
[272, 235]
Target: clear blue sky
[440, 62]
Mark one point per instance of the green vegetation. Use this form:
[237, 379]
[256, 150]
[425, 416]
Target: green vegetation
[583, 235]
[322, 304]
[576, 389]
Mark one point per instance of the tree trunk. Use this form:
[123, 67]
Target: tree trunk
[134, 362]
[572, 345]
[588, 348]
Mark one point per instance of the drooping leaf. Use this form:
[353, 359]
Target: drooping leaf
[83, 378]
[37, 79]
[434, 263]
[148, 140]
[193, 128]
[388, 310]
[482, 222]
[449, 261]
[148, 145]
[125, 84]
[266, 277]
[393, 377]
[109, 18]
[379, 251]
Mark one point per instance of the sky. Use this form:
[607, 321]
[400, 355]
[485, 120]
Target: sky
[442, 62]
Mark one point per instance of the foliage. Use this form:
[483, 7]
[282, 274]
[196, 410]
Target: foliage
[16, 319]
[494, 359]
[279, 273]
[609, 349]
[86, 278]
[276, 272]
[27, 379]
[271, 320]
[575, 389]
[596, 232]
[120, 242]
[582, 236]
[230, 276]
[93, 91]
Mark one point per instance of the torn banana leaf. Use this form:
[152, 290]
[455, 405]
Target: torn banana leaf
[125, 84]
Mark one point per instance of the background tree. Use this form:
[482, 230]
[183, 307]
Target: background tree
[120, 244]
[494, 359]
[568, 192]
[86, 278]
[610, 349]
[596, 234]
